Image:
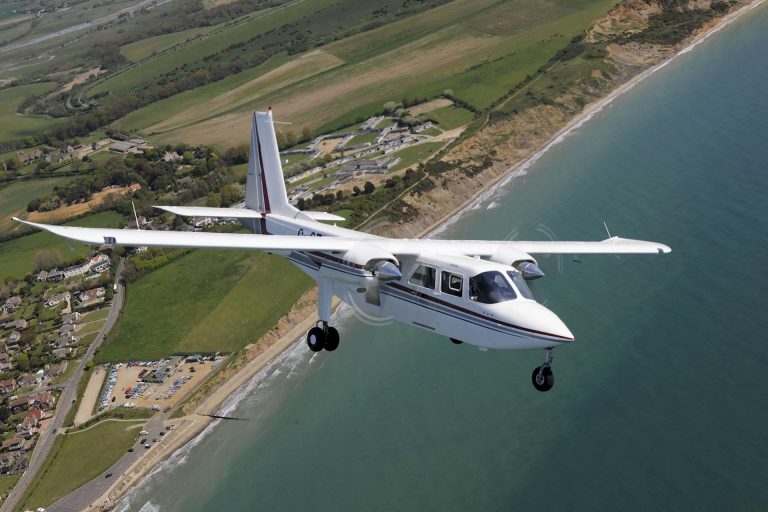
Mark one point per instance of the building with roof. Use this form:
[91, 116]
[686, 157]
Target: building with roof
[13, 444]
[122, 146]
[12, 303]
[19, 324]
[57, 299]
[8, 386]
[92, 295]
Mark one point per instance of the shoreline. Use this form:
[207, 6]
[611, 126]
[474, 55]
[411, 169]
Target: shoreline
[192, 428]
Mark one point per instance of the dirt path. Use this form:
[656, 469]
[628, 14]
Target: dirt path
[84, 412]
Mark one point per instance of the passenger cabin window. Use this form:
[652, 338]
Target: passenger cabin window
[522, 286]
[451, 283]
[490, 288]
[424, 277]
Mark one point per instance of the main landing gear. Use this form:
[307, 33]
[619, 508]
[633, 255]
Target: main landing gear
[543, 379]
[322, 337]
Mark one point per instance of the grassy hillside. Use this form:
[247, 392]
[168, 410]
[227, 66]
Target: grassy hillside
[206, 301]
[230, 33]
[142, 49]
[78, 457]
[12, 124]
[14, 197]
[478, 48]
[16, 256]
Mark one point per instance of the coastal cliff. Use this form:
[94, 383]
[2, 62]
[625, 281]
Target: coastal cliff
[618, 48]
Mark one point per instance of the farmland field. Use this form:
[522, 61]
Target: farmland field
[14, 197]
[234, 32]
[480, 49]
[16, 256]
[144, 48]
[185, 305]
[16, 126]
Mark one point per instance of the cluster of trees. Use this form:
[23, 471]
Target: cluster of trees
[324, 200]
[207, 175]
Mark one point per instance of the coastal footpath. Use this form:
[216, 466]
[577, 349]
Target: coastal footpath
[616, 53]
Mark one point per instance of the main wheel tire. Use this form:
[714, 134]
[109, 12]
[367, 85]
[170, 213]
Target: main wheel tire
[455, 341]
[332, 339]
[543, 379]
[315, 339]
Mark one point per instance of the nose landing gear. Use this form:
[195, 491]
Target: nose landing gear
[323, 337]
[543, 379]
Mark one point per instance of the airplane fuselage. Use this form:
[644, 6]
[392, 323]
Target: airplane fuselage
[516, 324]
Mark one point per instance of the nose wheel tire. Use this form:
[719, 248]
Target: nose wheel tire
[543, 379]
[331, 340]
[316, 339]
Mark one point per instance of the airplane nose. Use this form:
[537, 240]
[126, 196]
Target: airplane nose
[541, 320]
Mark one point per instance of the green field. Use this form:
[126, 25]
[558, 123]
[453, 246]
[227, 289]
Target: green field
[7, 482]
[450, 117]
[7, 9]
[16, 256]
[78, 457]
[480, 49]
[414, 154]
[144, 48]
[14, 197]
[362, 139]
[220, 38]
[92, 327]
[99, 314]
[206, 301]
[12, 124]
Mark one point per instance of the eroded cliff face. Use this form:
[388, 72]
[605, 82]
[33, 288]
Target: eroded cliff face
[629, 17]
[508, 139]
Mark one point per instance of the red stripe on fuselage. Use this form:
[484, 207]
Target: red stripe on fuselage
[267, 209]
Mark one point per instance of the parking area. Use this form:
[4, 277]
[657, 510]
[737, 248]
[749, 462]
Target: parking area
[154, 385]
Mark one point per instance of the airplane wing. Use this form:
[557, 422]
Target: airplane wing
[398, 247]
[613, 245]
[134, 238]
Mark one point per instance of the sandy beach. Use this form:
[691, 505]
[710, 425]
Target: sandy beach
[192, 425]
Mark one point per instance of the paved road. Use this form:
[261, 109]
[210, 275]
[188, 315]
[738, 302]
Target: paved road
[83, 497]
[45, 442]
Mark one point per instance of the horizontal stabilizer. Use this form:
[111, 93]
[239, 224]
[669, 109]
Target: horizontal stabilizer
[324, 216]
[238, 213]
[206, 211]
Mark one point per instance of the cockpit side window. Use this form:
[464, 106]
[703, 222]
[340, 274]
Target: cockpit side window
[522, 286]
[490, 288]
[424, 276]
[451, 284]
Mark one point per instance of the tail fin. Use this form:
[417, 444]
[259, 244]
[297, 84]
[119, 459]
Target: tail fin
[265, 186]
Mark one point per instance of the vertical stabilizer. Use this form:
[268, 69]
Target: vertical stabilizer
[265, 187]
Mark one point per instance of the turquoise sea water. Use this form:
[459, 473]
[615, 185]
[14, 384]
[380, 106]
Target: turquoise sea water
[659, 405]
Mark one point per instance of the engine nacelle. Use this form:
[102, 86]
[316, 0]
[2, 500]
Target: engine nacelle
[520, 260]
[376, 260]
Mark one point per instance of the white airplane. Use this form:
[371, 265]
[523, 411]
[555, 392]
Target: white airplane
[471, 291]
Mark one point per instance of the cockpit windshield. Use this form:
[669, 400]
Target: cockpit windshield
[490, 288]
[522, 286]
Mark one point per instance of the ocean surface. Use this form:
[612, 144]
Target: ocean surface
[662, 402]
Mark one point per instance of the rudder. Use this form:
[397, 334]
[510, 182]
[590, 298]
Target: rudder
[265, 185]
